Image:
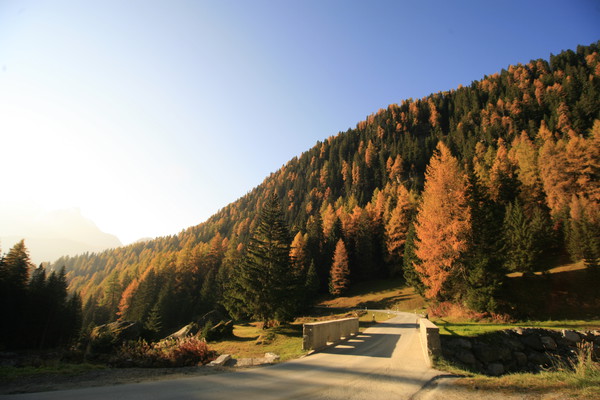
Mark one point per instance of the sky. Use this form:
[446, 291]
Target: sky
[149, 116]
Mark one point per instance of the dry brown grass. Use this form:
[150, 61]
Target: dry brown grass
[384, 294]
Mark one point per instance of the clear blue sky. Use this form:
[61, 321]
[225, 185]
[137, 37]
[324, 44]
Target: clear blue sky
[152, 115]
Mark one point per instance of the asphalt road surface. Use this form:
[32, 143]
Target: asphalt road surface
[384, 362]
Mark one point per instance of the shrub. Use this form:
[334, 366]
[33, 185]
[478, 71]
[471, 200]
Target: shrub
[181, 352]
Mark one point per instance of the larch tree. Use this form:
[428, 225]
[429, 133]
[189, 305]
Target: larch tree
[299, 259]
[397, 230]
[443, 222]
[340, 272]
[523, 154]
[556, 180]
[502, 186]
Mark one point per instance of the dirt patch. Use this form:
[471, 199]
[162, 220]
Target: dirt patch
[100, 377]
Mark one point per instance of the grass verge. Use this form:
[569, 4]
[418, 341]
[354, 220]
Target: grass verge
[466, 328]
[8, 374]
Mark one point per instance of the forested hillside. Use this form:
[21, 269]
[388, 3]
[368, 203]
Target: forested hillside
[513, 183]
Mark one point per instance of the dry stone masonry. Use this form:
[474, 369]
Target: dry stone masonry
[519, 350]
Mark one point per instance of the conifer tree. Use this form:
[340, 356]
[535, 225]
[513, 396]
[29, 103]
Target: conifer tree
[525, 238]
[298, 255]
[397, 230]
[583, 233]
[339, 276]
[483, 261]
[443, 223]
[409, 260]
[263, 282]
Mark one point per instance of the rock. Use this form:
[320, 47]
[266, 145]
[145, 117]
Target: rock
[220, 361]
[495, 369]
[520, 358]
[548, 343]
[188, 330]
[466, 357]
[105, 337]
[538, 358]
[513, 344]
[486, 353]
[533, 341]
[271, 357]
[214, 317]
[464, 343]
[221, 330]
[570, 336]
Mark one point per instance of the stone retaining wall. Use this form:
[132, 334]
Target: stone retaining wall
[318, 335]
[519, 350]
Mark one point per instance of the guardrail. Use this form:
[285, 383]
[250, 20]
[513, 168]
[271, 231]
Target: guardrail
[317, 335]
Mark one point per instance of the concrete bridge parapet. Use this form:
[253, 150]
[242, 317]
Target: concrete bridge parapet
[318, 335]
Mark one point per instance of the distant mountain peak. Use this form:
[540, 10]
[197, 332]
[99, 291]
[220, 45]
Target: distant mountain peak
[50, 235]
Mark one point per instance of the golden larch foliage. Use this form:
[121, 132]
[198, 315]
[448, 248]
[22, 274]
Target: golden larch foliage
[501, 172]
[298, 253]
[523, 155]
[126, 297]
[338, 277]
[397, 227]
[443, 222]
[370, 154]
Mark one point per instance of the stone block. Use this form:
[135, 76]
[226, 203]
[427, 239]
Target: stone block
[533, 341]
[570, 336]
[548, 343]
[495, 369]
[466, 357]
[220, 361]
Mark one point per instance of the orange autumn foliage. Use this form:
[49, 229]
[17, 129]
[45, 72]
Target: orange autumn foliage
[443, 221]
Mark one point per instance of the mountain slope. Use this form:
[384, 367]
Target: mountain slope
[350, 185]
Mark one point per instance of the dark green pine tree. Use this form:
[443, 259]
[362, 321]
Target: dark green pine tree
[311, 286]
[523, 239]
[410, 273]
[153, 324]
[14, 276]
[263, 281]
[483, 261]
[17, 266]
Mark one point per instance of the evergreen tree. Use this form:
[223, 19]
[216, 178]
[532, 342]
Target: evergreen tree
[16, 267]
[263, 282]
[409, 260]
[583, 233]
[483, 260]
[153, 323]
[525, 238]
[311, 286]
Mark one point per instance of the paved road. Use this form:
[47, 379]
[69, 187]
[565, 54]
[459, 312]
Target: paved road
[384, 362]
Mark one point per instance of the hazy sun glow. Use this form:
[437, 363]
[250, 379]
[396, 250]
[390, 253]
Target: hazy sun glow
[150, 116]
